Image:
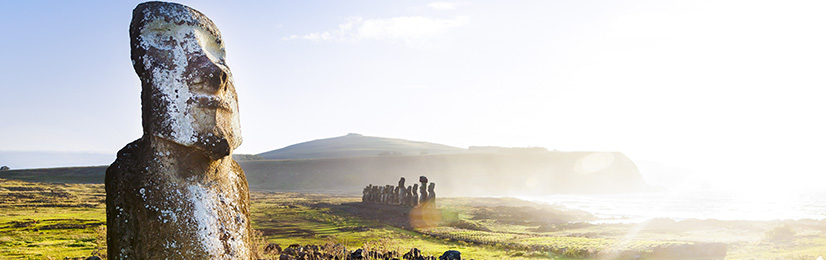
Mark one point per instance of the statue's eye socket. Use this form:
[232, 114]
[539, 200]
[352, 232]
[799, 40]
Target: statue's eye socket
[211, 46]
[158, 34]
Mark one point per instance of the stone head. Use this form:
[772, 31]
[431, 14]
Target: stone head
[188, 96]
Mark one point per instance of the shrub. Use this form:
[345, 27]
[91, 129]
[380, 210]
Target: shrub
[782, 233]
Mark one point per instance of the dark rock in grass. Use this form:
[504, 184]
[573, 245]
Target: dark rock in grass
[273, 249]
[412, 254]
[93, 258]
[176, 193]
[451, 255]
[358, 254]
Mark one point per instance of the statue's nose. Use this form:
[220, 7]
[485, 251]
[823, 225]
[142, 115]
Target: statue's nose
[207, 75]
[217, 78]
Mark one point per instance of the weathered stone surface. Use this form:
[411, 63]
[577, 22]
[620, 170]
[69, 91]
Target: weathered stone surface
[176, 193]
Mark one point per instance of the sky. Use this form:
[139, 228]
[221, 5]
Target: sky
[721, 94]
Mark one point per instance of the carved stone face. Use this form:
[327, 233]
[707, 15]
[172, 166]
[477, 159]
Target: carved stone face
[188, 93]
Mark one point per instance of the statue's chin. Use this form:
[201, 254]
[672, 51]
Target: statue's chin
[214, 147]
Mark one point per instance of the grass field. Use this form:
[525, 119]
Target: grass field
[51, 221]
[58, 221]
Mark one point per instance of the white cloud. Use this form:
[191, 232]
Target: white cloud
[442, 6]
[412, 30]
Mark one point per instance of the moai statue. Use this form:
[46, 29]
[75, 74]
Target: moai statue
[408, 196]
[431, 196]
[375, 194]
[423, 189]
[401, 191]
[364, 193]
[176, 193]
[415, 198]
[380, 195]
[396, 195]
[388, 194]
[384, 194]
[401, 196]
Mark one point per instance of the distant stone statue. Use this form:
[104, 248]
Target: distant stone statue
[408, 196]
[401, 197]
[423, 189]
[415, 198]
[389, 190]
[176, 193]
[431, 194]
[375, 194]
[365, 193]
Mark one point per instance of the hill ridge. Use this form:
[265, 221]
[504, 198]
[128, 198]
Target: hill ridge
[357, 145]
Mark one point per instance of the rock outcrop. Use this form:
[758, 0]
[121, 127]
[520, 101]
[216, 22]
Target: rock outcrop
[176, 193]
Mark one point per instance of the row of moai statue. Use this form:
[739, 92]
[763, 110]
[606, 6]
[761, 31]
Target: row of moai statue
[401, 195]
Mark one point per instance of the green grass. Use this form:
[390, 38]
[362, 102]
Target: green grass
[50, 221]
[55, 221]
[294, 218]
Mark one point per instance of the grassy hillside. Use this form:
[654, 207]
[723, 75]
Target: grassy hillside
[456, 174]
[356, 145]
[91, 174]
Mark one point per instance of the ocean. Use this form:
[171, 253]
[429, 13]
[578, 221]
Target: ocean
[721, 205]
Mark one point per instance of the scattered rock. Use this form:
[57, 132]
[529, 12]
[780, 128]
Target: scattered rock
[273, 249]
[451, 255]
[357, 254]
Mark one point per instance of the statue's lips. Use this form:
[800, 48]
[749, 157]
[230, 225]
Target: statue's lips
[209, 102]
